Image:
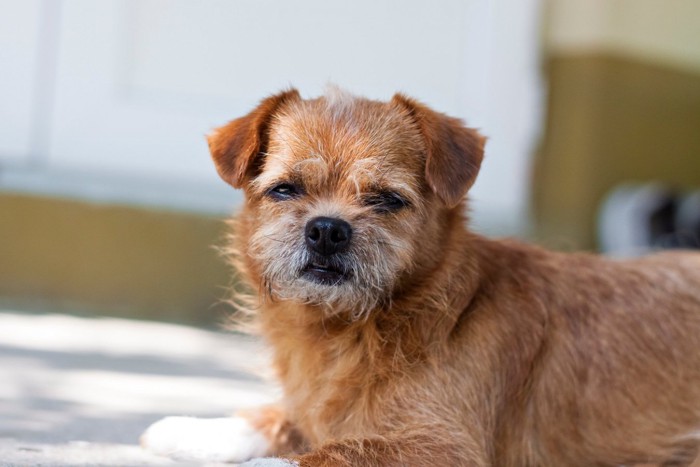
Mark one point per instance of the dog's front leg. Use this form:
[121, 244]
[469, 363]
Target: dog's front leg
[251, 433]
[428, 449]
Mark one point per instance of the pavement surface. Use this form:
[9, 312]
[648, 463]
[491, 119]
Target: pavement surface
[80, 391]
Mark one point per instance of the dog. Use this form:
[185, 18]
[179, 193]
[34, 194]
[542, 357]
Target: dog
[401, 338]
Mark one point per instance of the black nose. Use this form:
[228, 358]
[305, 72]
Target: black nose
[326, 235]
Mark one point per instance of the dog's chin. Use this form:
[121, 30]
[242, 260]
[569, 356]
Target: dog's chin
[339, 285]
[331, 291]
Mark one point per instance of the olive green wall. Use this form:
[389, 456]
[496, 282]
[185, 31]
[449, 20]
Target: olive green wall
[610, 120]
[58, 255]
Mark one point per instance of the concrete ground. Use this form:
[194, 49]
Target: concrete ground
[79, 391]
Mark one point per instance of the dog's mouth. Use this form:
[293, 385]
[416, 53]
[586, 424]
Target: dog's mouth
[324, 273]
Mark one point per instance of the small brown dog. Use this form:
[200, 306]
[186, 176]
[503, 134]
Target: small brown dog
[401, 338]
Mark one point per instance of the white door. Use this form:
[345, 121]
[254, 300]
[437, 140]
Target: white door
[139, 82]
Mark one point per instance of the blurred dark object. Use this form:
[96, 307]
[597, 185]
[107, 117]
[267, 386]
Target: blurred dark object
[688, 216]
[637, 219]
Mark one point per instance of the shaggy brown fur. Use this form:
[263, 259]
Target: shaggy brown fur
[441, 347]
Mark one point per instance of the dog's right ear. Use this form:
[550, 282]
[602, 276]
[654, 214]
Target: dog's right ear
[235, 147]
[454, 152]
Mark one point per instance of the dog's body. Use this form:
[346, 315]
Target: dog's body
[401, 338]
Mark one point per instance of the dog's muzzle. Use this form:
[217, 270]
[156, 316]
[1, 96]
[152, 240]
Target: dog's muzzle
[326, 238]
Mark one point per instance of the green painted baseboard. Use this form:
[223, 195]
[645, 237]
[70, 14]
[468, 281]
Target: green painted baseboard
[59, 255]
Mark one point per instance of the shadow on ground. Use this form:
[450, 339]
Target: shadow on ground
[80, 391]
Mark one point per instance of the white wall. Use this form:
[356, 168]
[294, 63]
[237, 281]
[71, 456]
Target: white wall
[19, 39]
[127, 88]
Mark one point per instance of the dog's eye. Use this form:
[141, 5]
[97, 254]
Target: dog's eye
[385, 201]
[284, 191]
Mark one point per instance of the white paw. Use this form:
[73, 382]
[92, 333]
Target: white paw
[230, 439]
[268, 462]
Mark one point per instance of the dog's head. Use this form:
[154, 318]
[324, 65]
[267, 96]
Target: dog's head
[347, 199]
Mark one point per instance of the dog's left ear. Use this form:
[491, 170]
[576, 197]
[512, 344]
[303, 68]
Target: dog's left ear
[454, 152]
[235, 147]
